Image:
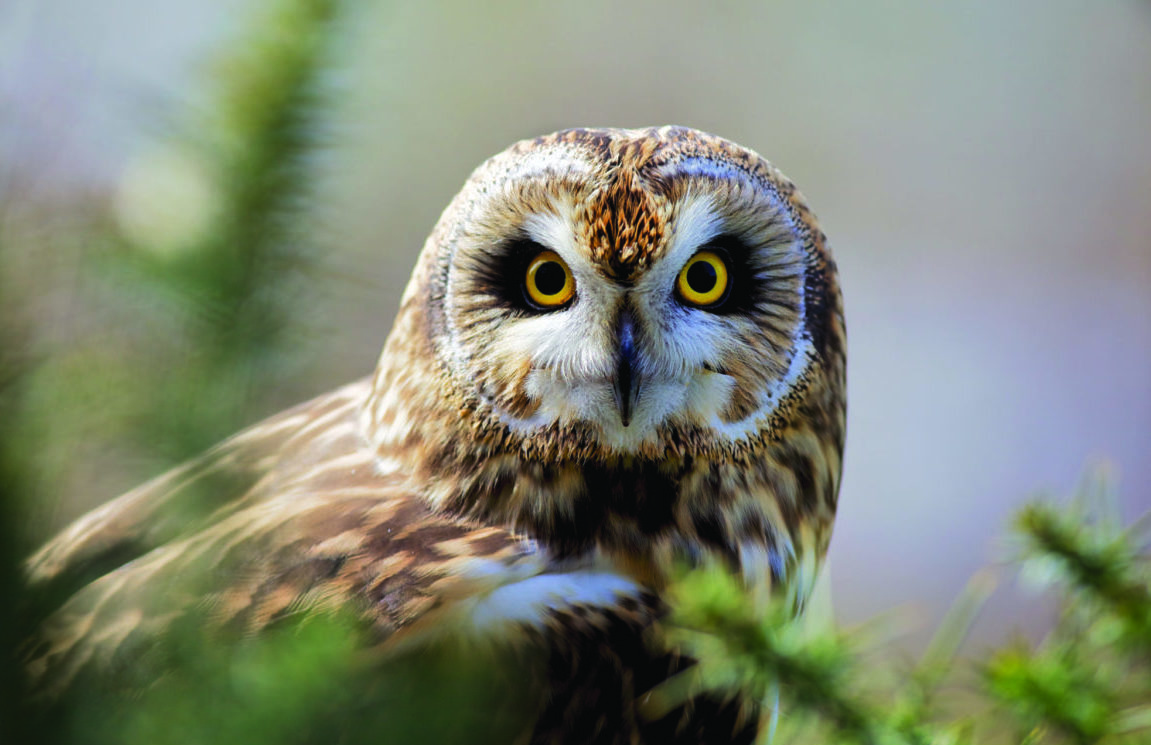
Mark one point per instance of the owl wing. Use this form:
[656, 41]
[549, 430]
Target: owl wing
[290, 515]
[180, 502]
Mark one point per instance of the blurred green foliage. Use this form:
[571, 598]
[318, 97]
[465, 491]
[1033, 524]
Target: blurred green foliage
[218, 303]
[232, 283]
[312, 680]
[199, 263]
[1089, 680]
[203, 270]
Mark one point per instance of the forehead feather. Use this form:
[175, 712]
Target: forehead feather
[624, 225]
[626, 185]
[624, 214]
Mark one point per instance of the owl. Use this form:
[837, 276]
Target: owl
[620, 352]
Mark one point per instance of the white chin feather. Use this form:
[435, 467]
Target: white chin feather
[694, 400]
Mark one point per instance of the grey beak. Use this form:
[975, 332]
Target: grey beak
[627, 380]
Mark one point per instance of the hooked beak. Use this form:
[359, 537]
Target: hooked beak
[627, 382]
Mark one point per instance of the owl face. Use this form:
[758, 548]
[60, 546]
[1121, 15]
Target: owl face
[624, 290]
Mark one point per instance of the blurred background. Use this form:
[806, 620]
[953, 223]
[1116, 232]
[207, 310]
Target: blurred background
[983, 170]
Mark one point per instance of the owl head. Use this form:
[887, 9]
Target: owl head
[619, 299]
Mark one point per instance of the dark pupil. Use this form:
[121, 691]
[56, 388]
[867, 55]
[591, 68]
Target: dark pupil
[701, 277]
[550, 278]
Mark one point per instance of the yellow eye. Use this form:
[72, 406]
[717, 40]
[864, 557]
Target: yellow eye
[549, 282]
[703, 280]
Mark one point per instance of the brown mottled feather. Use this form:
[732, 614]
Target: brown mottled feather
[316, 526]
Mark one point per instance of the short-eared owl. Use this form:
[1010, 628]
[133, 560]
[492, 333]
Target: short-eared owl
[621, 351]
